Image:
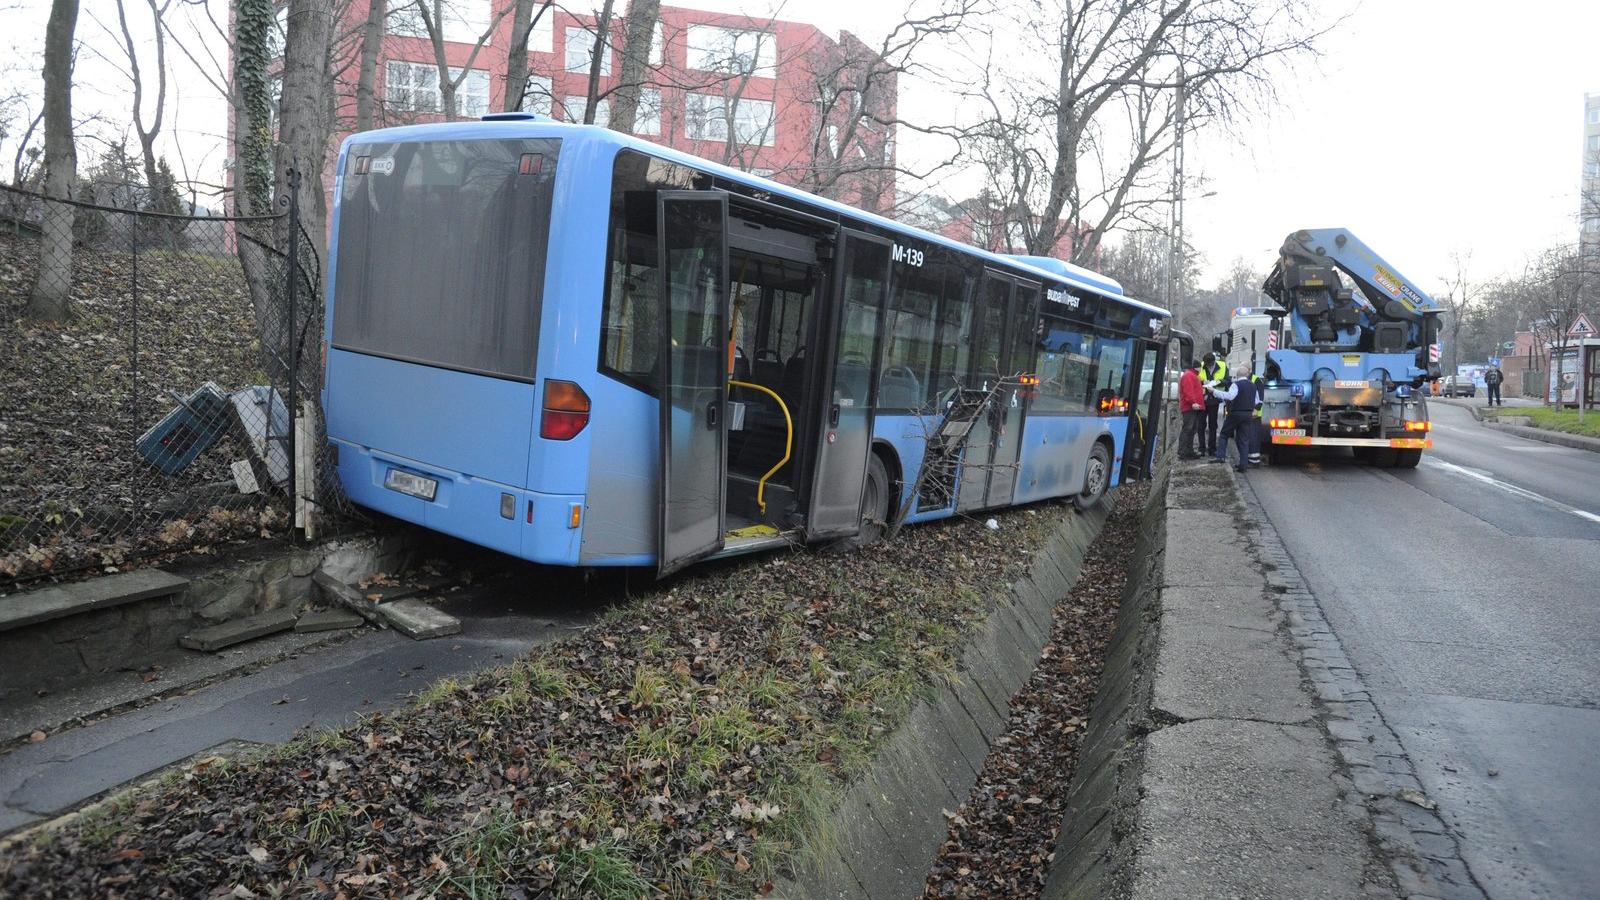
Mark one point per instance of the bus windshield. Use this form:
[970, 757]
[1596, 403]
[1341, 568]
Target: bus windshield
[441, 252]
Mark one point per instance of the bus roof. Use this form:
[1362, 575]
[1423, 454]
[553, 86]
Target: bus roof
[539, 126]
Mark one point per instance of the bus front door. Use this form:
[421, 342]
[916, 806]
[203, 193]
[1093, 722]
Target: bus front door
[692, 243]
[988, 348]
[860, 286]
[1018, 360]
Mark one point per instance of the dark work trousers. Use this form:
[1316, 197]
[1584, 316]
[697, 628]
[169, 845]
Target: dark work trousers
[1239, 428]
[1208, 434]
[1494, 396]
[1191, 425]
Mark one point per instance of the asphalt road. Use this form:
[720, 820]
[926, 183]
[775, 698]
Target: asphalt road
[1466, 593]
[501, 618]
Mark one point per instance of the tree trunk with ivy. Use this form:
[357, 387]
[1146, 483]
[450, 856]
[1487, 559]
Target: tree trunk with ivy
[371, 44]
[52, 292]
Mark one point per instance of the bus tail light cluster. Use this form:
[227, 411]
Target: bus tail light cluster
[566, 410]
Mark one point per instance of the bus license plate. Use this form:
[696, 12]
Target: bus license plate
[407, 483]
[1288, 432]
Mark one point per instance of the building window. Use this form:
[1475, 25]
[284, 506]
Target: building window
[542, 36]
[1591, 170]
[647, 118]
[461, 21]
[1594, 142]
[572, 110]
[658, 42]
[414, 87]
[706, 119]
[729, 50]
[580, 50]
[1594, 115]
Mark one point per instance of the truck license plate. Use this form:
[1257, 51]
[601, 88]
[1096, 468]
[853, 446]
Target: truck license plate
[1288, 432]
[407, 483]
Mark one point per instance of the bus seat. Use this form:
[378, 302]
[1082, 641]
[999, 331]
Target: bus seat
[851, 382]
[899, 388]
[767, 369]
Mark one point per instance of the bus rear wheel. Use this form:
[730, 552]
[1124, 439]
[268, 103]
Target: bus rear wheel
[874, 504]
[1096, 478]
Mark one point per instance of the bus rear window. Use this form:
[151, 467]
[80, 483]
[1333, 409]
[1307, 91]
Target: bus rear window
[441, 252]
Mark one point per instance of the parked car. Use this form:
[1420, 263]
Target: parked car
[1459, 386]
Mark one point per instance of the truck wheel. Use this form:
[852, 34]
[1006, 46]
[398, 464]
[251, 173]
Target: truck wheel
[1407, 459]
[1383, 457]
[1363, 455]
[1096, 478]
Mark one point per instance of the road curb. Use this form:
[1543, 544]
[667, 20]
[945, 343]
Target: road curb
[1559, 438]
[1423, 855]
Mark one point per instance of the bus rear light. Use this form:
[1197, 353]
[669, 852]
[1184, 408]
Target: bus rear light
[566, 410]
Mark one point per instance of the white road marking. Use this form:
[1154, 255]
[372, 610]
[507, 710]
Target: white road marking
[1509, 488]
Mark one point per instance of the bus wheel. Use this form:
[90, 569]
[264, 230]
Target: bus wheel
[1096, 478]
[1407, 459]
[874, 504]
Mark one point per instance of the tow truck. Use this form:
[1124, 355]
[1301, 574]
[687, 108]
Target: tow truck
[1343, 366]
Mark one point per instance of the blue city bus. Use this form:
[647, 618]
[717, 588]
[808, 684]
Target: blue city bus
[498, 352]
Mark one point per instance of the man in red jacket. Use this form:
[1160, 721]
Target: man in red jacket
[1192, 403]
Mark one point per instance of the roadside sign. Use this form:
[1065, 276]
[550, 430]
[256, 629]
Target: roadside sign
[1509, 345]
[1581, 327]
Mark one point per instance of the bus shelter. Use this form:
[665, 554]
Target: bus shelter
[1574, 373]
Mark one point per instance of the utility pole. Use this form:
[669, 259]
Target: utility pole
[1175, 229]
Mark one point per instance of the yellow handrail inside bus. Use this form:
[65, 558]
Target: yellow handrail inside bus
[788, 439]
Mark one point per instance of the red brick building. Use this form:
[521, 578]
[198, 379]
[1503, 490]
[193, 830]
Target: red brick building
[776, 98]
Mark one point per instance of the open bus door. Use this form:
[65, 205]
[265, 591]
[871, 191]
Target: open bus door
[691, 366]
[849, 360]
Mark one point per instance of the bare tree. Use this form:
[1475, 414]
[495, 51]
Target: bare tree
[638, 33]
[432, 12]
[1080, 154]
[853, 89]
[304, 124]
[52, 292]
[371, 44]
[597, 59]
[1457, 301]
[147, 132]
[523, 20]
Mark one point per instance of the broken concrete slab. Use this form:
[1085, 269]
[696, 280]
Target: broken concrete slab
[216, 637]
[337, 591]
[61, 600]
[327, 620]
[419, 621]
[1246, 809]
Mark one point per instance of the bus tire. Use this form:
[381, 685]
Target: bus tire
[875, 501]
[1096, 478]
[1407, 458]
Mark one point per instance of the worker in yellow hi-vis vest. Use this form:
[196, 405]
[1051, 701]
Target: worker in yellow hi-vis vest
[1213, 373]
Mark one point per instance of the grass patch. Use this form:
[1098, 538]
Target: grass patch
[1565, 420]
[689, 744]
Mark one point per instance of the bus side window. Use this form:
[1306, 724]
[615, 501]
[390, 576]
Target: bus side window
[628, 334]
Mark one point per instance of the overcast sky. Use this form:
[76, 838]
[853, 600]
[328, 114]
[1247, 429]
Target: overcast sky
[1428, 126]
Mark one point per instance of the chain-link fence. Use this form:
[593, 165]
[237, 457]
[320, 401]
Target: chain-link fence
[149, 366]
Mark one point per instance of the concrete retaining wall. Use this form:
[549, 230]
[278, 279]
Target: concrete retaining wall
[890, 822]
[50, 655]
